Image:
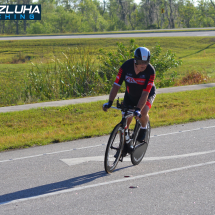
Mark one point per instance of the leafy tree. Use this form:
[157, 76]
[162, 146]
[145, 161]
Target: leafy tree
[213, 4]
[187, 11]
[206, 14]
[65, 21]
[114, 19]
[91, 20]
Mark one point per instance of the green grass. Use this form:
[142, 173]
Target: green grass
[197, 54]
[184, 47]
[50, 125]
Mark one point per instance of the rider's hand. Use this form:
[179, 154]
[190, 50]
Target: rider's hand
[137, 113]
[107, 105]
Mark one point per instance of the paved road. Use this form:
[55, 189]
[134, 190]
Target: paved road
[98, 98]
[175, 177]
[119, 35]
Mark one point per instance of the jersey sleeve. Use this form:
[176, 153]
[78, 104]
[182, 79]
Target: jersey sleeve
[120, 77]
[149, 83]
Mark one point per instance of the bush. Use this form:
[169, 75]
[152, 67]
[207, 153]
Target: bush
[193, 78]
[20, 58]
[111, 62]
[161, 62]
[73, 77]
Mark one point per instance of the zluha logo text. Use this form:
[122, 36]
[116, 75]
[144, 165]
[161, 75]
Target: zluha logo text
[20, 12]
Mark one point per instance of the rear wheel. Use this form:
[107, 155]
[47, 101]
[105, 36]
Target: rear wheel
[140, 148]
[114, 149]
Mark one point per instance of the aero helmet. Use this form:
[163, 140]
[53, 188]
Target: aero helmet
[142, 53]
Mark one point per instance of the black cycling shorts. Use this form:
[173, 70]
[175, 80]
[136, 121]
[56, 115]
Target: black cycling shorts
[128, 101]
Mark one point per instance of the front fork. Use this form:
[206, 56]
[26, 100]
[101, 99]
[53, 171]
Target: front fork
[122, 128]
[136, 130]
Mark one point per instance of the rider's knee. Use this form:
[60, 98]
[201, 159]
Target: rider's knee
[145, 111]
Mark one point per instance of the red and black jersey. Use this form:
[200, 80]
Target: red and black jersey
[136, 84]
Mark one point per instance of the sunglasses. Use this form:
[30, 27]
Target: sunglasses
[142, 62]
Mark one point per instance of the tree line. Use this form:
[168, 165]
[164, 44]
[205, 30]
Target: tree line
[76, 16]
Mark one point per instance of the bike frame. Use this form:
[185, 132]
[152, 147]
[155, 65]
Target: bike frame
[128, 113]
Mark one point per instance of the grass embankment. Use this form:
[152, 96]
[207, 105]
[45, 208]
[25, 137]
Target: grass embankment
[197, 54]
[50, 125]
[197, 49]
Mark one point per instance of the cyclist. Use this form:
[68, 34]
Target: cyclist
[139, 76]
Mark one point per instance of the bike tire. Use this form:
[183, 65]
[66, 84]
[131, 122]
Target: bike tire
[114, 149]
[140, 148]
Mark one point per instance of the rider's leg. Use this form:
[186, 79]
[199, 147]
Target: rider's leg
[129, 121]
[128, 102]
[143, 120]
[145, 116]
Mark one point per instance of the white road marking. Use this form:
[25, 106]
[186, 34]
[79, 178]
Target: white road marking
[182, 131]
[75, 161]
[107, 183]
[51, 153]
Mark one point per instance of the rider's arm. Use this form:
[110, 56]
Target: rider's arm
[113, 92]
[117, 84]
[143, 99]
[112, 96]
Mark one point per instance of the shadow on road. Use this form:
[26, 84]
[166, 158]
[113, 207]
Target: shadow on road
[54, 187]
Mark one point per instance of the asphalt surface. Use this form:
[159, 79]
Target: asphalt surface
[175, 177]
[117, 35]
[98, 98]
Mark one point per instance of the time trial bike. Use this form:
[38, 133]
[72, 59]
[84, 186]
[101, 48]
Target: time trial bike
[117, 148]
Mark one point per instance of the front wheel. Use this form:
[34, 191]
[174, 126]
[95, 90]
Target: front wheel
[140, 148]
[114, 149]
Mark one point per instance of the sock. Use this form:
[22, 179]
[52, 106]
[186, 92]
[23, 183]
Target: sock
[143, 127]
